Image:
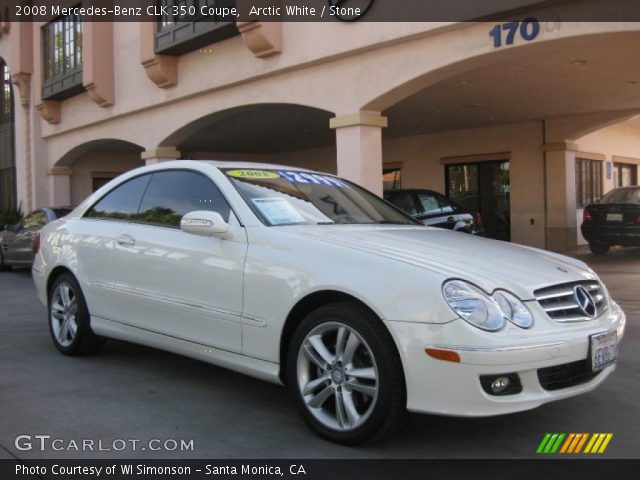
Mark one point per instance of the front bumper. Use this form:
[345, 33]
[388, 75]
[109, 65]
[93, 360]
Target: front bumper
[448, 388]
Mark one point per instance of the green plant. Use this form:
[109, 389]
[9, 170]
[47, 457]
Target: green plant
[11, 216]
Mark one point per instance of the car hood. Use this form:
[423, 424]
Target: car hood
[489, 263]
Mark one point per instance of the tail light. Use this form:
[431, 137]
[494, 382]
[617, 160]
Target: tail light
[638, 220]
[478, 220]
[586, 216]
[36, 243]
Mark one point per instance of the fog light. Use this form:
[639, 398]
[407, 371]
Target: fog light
[500, 384]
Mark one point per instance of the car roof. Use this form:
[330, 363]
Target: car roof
[239, 165]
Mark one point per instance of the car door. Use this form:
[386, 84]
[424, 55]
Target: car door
[19, 247]
[178, 284]
[95, 236]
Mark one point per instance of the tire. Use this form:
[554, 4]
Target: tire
[67, 306]
[599, 248]
[346, 408]
[3, 267]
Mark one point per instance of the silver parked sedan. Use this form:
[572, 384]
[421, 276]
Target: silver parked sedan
[17, 241]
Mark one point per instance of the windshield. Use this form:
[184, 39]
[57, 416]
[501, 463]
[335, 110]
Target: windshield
[281, 197]
[623, 195]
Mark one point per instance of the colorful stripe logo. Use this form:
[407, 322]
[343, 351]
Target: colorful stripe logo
[574, 443]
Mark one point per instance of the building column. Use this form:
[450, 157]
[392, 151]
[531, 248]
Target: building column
[359, 148]
[60, 186]
[160, 154]
[560, 196]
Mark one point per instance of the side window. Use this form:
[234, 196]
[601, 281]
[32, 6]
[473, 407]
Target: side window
[35, 219]
[174, 193]
[446, 205]
[404, 201]
[429, 203]
[122, 202]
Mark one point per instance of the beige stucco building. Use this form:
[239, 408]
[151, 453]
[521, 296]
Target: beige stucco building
[526, 132]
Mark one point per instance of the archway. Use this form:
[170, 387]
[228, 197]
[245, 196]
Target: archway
[90, 165]
[270, 132]
[525, 109]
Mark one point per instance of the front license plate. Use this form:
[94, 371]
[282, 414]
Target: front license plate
[614, 217]
[604, 350]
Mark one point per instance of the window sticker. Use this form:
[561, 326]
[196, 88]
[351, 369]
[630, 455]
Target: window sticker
[253, 174]
[278, 211]
[306, 177]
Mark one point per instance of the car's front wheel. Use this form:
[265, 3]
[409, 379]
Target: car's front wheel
[3, 266]
[346, 376]
[599, 248]
[69, 320]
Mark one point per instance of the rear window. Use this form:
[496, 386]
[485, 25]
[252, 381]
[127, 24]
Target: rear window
[623, 195]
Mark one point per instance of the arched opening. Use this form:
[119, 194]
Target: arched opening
[8, 194]
[90, 165]
[502, 133]
[274, 133]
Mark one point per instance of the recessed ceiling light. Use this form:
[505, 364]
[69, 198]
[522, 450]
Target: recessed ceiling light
[579, 63]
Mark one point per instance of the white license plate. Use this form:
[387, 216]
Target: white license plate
[604, 350]
[614, 217]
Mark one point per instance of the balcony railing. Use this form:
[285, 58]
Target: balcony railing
[178, 34]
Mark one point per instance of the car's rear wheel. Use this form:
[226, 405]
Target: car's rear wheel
[599, 248]
[346, 376]
[69, 320]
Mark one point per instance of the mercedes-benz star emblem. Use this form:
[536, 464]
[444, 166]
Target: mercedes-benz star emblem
[585, 301]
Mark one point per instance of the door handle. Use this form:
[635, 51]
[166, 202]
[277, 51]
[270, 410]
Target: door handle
[451, 219]
[126, 240]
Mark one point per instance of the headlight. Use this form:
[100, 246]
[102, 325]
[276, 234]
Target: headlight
[513, 309]
[473, 305]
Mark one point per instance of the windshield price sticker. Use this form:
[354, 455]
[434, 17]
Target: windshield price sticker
[278, 211]
[306, 177]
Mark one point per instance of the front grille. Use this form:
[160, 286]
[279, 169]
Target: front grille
[561, 304]
[566, 375]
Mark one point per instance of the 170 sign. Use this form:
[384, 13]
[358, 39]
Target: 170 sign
[528, 30]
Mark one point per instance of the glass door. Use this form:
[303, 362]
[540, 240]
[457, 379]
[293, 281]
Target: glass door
[483, 188]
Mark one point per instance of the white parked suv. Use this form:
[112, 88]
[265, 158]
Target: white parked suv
[306, 279]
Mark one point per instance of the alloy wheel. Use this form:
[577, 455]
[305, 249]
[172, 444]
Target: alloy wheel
[63, 313]
[337, 376]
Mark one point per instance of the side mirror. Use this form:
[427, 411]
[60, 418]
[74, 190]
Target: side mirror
[204, 223]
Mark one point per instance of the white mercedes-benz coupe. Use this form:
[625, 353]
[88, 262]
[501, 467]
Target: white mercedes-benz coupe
[306, 279]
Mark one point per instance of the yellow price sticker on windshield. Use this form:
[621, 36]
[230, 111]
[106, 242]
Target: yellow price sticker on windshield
[257, 174]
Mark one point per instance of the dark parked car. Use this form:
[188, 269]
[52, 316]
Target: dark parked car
[615, 220]
[436, 210]
[17, 241]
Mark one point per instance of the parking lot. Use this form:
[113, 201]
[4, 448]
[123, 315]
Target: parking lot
[133, 392]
